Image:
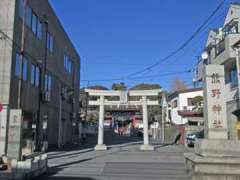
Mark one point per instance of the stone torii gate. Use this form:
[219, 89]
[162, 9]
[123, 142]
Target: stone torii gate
[123, 101]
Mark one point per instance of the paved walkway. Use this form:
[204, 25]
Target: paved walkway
[123, 161]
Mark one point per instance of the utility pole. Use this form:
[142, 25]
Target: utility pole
[164, 108]
[19, 100]
[43, 69]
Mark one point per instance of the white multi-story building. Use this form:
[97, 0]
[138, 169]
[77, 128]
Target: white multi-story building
[222, 47]
[181, 101]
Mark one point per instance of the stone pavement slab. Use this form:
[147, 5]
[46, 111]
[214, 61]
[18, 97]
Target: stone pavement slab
[122, 161]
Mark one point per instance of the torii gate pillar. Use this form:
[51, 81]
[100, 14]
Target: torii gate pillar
[146, 146]
[100, 146]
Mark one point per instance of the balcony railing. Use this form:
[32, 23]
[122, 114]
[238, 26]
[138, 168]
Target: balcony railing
[220, 47]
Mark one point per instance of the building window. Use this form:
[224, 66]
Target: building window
[37, 77]
[233, 78]
[39, 30]
[28, 16]
[190, 101]
[48, 83]
[18, 65]
[34, 23]
[50, 42]
[25, 69]
[21, 8]
[174, 104]
[31, 19]
[18, 72]
[220, 47]
[67, 64]
[233, 29]
[32, 74]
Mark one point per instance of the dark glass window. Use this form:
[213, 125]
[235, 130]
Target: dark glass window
[67, 64]
[233, 78]
[32, 74]
[48, 83]
[18, 65]
[50, 42]
[39, 30]
[34, 23]
[21, 8]
[25, 69]
[37, 77]
[190, 101]
[28, 17]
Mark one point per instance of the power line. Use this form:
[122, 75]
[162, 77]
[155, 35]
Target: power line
[205, 24]
[140, 77]
[174, 52]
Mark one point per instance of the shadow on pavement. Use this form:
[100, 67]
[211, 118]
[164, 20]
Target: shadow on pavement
[63, 178]
[54, 170]
[111, 139]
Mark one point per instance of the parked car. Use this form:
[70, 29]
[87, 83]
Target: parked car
[140, 132]
[191, 138]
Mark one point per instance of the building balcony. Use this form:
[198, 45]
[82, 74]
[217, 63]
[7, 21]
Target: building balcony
[223, 49]
[222, 53]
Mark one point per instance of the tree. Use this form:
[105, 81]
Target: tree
[198, 103]
[98, 87]
[119, 86]
[144, 86]
[178, 85]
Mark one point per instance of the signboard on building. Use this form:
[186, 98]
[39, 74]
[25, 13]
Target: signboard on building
[3, 129]
[14, 134]
[123, 97]
[215, 111]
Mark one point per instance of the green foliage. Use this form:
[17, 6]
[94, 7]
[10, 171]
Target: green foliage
[197, 100]
[98, 87]
[146, 87]
[119, 87]
[92, 119]
[198, 103]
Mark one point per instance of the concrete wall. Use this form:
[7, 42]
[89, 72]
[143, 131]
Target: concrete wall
[232, 119]
[7, 14]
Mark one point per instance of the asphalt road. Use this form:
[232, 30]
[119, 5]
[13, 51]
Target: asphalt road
[123, 161]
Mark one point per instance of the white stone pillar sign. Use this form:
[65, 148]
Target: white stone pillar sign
[3, 129]
[145, 145]
[14, 134]
[100, 146]
[215, 103]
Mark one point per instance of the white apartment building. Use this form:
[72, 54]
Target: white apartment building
[222, 47]
[181, 101]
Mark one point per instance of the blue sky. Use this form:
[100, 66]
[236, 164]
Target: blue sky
[118, 37]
